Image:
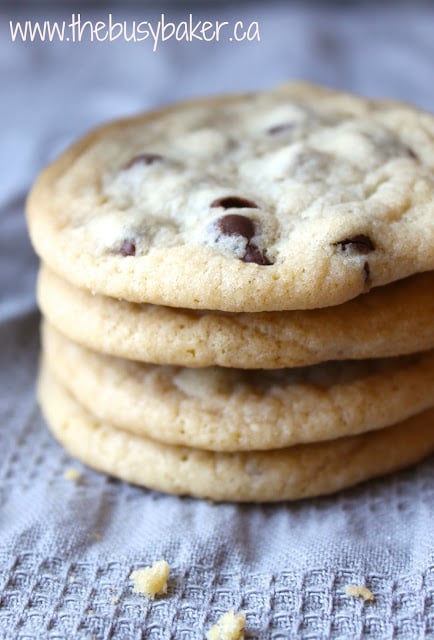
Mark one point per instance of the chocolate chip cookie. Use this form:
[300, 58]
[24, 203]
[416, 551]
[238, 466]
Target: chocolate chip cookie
[283, 474]
[295, 198]
[240, 410]
[366, 327]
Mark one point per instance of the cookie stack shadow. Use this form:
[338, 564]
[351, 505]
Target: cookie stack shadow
[240, 406]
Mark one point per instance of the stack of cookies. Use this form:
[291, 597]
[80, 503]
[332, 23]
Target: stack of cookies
[239, 294]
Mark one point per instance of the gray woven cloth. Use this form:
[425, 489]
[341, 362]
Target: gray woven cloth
[67, 550]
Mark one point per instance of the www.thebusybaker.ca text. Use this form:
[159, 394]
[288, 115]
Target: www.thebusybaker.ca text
[161, 30]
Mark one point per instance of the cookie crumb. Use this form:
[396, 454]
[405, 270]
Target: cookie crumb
[229, 627]
[114, 600]
[72, 474]
[359, 592]
[151, 581]
[97, 536]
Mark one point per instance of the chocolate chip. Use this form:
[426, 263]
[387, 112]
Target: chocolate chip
[280, 128]
[411, 153]
[253, 254]
[234, 202]
[359, 244]
[367, 273]
[235, 225]
[128, 248]
[144, 158]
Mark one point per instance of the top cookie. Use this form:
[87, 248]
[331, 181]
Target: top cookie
[296, 198]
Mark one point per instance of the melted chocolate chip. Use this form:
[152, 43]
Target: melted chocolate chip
[144, 158]
[236, 225]
[253, 254]
[234, 202]
[411, 153]
[128, 248]
[367, 274]
[280, 128]
[359, 244]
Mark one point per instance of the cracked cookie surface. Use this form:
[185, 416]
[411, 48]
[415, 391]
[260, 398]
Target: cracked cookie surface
[295, 198]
